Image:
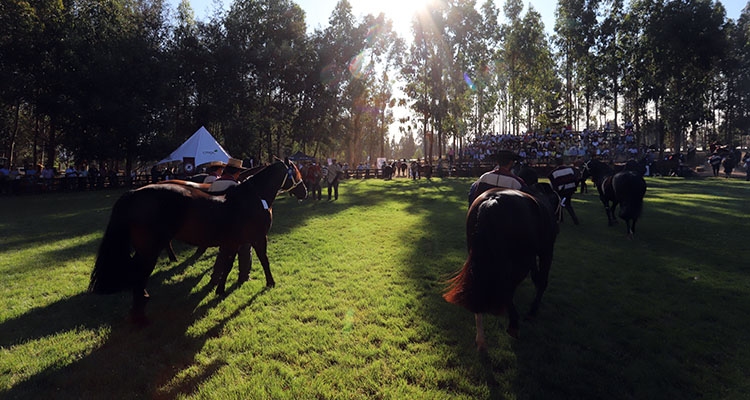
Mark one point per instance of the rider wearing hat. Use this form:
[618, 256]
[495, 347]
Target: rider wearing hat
[215, 170]
[228, 177]
[501, 176]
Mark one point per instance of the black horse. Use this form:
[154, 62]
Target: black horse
[145, 220]
[506, 231]
[625, 188]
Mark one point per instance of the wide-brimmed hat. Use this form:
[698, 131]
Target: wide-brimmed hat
[213, 164]
[234, 163]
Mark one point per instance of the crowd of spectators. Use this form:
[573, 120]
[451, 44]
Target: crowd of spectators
[544, 147]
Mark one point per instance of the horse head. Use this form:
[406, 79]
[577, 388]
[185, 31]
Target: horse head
[596, 169]
[293, 183]
[546, 196]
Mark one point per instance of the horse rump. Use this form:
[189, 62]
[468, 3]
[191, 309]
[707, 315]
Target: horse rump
[112, 270]
[630, 188]
[506, 231]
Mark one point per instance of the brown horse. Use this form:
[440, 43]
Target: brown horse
[506, 231]
[206, 187]
[147, 219]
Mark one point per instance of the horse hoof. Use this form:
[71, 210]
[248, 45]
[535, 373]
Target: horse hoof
[270, 284]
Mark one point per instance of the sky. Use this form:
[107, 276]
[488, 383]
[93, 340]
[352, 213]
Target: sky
[400, 11]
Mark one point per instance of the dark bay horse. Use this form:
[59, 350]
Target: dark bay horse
[625, 188]
[145, 220]
[506, 231]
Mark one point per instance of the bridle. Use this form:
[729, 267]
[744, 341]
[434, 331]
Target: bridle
[290, 174]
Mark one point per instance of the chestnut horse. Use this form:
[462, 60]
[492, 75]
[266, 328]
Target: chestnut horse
[506, 231]
[147, 219]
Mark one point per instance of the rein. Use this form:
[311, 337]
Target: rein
[289, 175]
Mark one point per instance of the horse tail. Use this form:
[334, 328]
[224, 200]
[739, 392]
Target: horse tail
[112, 271]
[488, 261]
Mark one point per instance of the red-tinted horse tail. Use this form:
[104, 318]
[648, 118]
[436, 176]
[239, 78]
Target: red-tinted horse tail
[455, 293]
[113, 271]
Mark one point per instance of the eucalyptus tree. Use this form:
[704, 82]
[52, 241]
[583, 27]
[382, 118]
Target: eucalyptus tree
[681, 44]
[261, 61]
[610, 52]
[349, 59]
[735, 67]
[30, 32]
[466, 70]
[575, 28]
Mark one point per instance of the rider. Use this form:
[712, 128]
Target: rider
[215, 170]
[229, 176]
[501, 176]
[228, 179]
[564, 180]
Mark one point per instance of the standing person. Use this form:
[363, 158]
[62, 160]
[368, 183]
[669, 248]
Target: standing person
[230, 175]
[313, 173]
[501, 176]
[332, 178]
[48, 174]
[715, 161]
[71, 176]
[215, 170]
[729, 164]
[746, 164]
[564, 180]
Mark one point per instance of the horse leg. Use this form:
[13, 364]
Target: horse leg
[260, 250]
[170, 252]
[540, 277]
[222, 266]
[513, 318]
[480, 340]
[569, 207]
[245, 261]
[144, 265]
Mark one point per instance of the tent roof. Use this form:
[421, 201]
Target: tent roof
[202, 146]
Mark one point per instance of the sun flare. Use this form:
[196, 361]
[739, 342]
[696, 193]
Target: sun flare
[400, 12]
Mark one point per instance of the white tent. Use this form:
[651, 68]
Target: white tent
[201, 146]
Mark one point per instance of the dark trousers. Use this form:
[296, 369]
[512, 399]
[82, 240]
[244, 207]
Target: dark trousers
[335, 186]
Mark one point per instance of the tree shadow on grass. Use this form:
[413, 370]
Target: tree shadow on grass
[151, 356]
[617, 321]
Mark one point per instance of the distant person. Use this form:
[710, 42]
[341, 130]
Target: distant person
[746, 164]
[312, 176]
[335, 172]
[715, 161]
[729, 163]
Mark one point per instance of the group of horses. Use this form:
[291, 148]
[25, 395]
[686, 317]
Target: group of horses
[144, 221]
[511, 234]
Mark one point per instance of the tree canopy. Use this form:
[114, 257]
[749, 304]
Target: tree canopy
[126, 81]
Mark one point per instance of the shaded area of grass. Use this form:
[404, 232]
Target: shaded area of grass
[357, 311]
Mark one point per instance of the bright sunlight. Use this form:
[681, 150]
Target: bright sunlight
[399, 11]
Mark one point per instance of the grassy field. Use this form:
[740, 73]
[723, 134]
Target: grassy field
[357, 311]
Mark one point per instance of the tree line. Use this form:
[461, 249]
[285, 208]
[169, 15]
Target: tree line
[126, 81]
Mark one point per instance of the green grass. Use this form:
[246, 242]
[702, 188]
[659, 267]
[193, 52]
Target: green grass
[357, 311]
